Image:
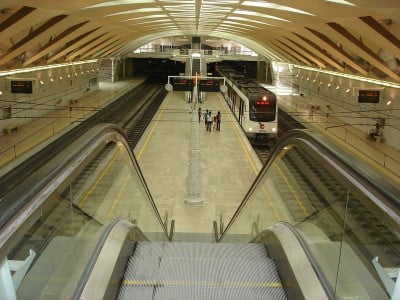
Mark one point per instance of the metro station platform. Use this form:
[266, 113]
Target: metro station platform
[228, 163]
[30, 138]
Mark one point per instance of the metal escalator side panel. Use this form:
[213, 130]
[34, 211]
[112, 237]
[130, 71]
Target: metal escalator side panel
[105, 269]
[299, 272]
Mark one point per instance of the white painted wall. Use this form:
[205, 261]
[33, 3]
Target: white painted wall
[55, 88]
[339, 100]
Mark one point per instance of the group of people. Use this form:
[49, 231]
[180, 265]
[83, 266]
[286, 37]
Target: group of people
[211, 121]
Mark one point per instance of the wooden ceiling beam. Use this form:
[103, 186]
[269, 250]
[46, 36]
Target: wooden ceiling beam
[332, 47]
[285, 54]
[49, 28]
[99, 52]
[90, 45]
[362, 50]
[60, 40]
[375, 32]
[78, 42]
[100, 46]
[303, 51]
[113, 49]
[24, 18]
[314, 48]
[294, 53]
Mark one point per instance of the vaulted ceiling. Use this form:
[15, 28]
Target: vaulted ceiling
[353, 36]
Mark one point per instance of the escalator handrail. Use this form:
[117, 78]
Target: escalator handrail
[382, 192]
[93, 258]
[22, 202]
[311, 259]
[100, 245]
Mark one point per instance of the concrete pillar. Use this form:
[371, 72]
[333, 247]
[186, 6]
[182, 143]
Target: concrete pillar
[261, 70]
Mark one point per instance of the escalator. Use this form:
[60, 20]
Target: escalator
[314, 225]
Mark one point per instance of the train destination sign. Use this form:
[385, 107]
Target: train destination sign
[368, 96]
[209, 85]
[21, 86]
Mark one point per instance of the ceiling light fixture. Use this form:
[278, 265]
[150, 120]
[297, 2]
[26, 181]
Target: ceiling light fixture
[355, 77]
[39, 68]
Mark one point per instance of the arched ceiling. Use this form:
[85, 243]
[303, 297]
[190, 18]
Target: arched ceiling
[354, 36]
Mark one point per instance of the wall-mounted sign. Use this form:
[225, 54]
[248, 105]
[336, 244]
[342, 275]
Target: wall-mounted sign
[368, 96]
[21, 86]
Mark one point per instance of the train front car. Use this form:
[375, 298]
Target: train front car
[262, 122]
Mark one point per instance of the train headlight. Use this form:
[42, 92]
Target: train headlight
[264, 98]
[250, 129]
[273, 129]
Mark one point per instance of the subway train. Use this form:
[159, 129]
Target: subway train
[254, 106]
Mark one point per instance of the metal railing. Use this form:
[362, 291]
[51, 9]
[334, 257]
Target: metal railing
[329, 123]
[208, 52]
[52, 128]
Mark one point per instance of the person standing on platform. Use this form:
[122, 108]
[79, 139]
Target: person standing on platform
[214, 124]
[209, 121]
[205, 117]
[199, 114]
[219, 121]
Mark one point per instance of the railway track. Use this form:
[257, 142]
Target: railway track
[131, 111]
[323, 193]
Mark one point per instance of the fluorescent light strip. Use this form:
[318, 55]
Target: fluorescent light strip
[40, 68]
[344, 2]
[355, 77]
[276, 6]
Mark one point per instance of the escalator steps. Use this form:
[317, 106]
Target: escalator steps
[201, 271]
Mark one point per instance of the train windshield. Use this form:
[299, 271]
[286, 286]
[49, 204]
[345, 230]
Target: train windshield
[262, 111]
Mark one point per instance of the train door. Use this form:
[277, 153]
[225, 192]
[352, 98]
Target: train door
[233, 101]
[241, 111]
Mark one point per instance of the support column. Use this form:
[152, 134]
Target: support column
[194, 176]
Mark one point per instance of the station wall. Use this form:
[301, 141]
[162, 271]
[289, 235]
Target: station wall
[328, 97]
[56, 88]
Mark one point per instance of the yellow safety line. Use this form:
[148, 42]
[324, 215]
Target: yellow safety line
[91, 190]
[292, 190]
[236, 130]
[153, 127]
[201, 283]
[116, 200]
[239, 137]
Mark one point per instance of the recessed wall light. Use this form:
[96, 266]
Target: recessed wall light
[329, 84]
[389, 102]
[51, 79]
[348, 90]
[338, 87]
[350, 76]
[41, 82]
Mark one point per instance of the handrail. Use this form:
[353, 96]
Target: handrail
[93, 258]
[383, 193]
[314, 263]
[22, 202]
[106, 234]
